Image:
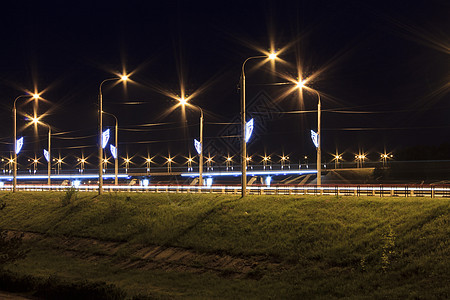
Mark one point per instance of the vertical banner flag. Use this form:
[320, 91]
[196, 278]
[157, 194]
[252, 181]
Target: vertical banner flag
[198, 146]
[248, 130]
[315, 138]
[113, 151]
[46, 155]
[105, 138]
[19, 144]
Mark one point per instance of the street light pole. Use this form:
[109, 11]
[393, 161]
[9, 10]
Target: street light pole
[100, 131]
[35, 96]
[243, 142]
[200, 160]
[300, 85]
[319, 153]
[49, 162]
[184, 102]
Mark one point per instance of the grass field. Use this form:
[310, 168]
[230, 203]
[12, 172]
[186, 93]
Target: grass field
[221, 246]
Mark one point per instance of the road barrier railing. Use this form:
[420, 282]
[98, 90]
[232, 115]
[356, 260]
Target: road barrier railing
[397, 190]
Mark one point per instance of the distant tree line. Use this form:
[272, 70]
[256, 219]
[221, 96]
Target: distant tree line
[421, 152]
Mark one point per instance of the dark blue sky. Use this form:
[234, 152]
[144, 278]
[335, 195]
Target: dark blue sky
[382, 70]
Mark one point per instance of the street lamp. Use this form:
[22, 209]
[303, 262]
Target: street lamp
[228, 162]
[49, 158]
[271, 56]
[301, 85]
[336, 159]
[81, 162]
[189, 163]
[148, 160]
[116, 157]
[34, 96]
[127, 163]
[169, 164]
[184, 102]
[123, 78]
[209, 161]
[266, 159]
[360, 160]
[384, 157]
[284, 159]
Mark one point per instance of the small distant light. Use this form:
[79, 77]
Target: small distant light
[76, 183]
[272, 55]
[124, 77]
[301, 84]
[183, 101]
[209, 181]
[35, 96]
[145, 182]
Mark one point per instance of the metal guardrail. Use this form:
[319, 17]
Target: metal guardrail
[336, 190]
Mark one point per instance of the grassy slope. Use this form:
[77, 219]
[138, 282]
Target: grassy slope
[365, 247]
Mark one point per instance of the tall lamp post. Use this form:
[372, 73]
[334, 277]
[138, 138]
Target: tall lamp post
[34, 96]
[272, 56]
[300, 85]
[116, 159]
[49, 158]
[183, 102]
[100, 131]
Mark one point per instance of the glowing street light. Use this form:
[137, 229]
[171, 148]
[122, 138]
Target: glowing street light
[301, 85]
[337, 157]
[248, 159]
[198, 145]
[360, 160]
[105, 164]
[148, 161]
[384, 157]
[33, 96]
[127, 162]
[169, 164]
[34, 163]
[47, 153]
[81, 162]
[189, 163]
[59, 161]
[266, 159]
[228, 162]
[271, 56]
[123, 78]
[284, 159]
[209, 161]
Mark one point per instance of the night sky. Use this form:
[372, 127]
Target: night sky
[382, 71]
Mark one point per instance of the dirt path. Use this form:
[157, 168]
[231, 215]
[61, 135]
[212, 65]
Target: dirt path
[147, 257]
[9, 296]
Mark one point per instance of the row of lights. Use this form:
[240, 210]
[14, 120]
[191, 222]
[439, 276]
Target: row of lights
[209, 160]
